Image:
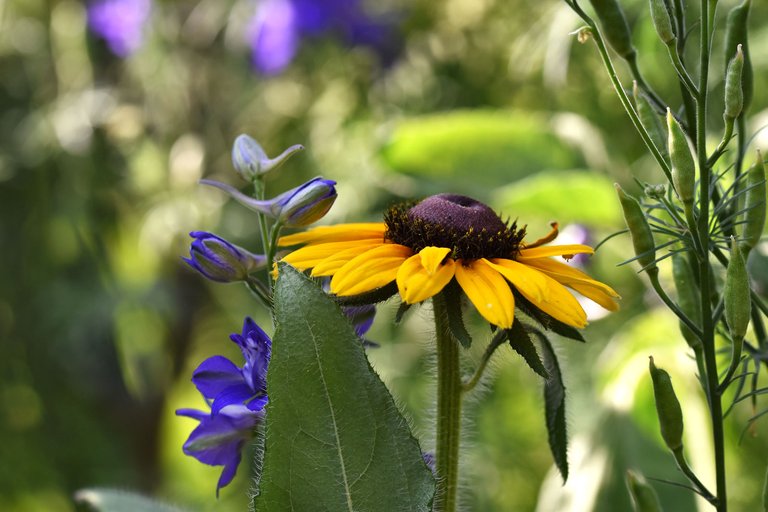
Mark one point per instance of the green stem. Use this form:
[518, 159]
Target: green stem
[707, 327]
[727, 134]
[653, 275]
[259, 189]
[449, 388]
[498, 339]
[682, 73]
[623, 98]
[688, 472]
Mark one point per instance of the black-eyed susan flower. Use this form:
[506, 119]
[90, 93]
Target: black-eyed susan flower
[423, 247]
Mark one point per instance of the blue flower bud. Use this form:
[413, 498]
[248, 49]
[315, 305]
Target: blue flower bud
[221, 261]
[307, 203]
[297, 207]
[250, 160]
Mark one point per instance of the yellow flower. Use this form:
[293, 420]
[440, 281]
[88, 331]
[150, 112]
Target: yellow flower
[423, 247]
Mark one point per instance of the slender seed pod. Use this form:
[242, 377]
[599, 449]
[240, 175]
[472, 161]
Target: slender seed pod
[615, 27]
[736, 34]
[734, 97]
[662, 21]
[754, 202]
[644, 497]
[639, 230]
[667, 407]
[688, 297]
[683, 166]
[736, 294]
[650, 121]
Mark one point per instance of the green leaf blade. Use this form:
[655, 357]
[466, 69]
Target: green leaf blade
[554, 400]
[335, 439]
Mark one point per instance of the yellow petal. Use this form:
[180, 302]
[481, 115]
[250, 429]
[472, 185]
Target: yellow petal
[370, 270]
[542, 291]
[331, 264]
[311, 255]
[531, 283]
[555, 250]
[423, 275]
[594, 290]
[488, 291]
[337, 233]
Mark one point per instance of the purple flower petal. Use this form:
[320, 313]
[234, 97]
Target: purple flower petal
[234, 395]
[216, 374]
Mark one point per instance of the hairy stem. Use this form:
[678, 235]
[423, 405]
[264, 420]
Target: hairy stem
[449, 391]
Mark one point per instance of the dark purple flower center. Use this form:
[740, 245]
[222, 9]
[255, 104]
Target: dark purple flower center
[466, 226]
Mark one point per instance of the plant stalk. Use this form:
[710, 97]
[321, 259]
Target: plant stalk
[708, 327]
[449, 391]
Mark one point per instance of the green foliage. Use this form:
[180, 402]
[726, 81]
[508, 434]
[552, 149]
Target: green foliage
[334, 439]
[561, 196]
[475, 148]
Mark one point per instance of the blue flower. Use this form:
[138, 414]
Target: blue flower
[120, 23]
[219, 440]
[221, 261]
[224, 383]
[278, 27]
[237, 397]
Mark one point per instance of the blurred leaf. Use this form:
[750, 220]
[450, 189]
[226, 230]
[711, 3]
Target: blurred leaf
[476, 148]
[455, 319]
[565, 196]
[112, 500]
[335, 439]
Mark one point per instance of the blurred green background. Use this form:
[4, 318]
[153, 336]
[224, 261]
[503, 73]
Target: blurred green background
[101, 323]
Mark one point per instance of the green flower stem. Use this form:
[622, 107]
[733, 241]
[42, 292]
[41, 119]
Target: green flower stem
[258, 186]
[654, 278]
[682, 73]
[449, 394]
[708, 327]
[688, 472]
[258, 291]
[498, 339]
[727, 134]
[736, 349]
[623, 98]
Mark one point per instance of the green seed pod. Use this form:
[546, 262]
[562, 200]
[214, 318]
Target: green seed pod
[734, 97]
[736, 294]
[615, 27]
[639, 230]
[651, 121]
[644, 497]
[688, 297]
[662, 21]
[754, 201]
[667, 407]
[683, 166]
[736, 34]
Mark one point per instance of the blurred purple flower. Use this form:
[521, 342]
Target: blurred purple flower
[276, 30]
[576, 234]
[238, 397]
[120, 23]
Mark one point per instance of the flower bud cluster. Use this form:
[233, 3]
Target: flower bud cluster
[221, 261]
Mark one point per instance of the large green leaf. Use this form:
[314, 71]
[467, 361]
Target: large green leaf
[113, 500]
[476, 148]
[334, 438]
[565, 196]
